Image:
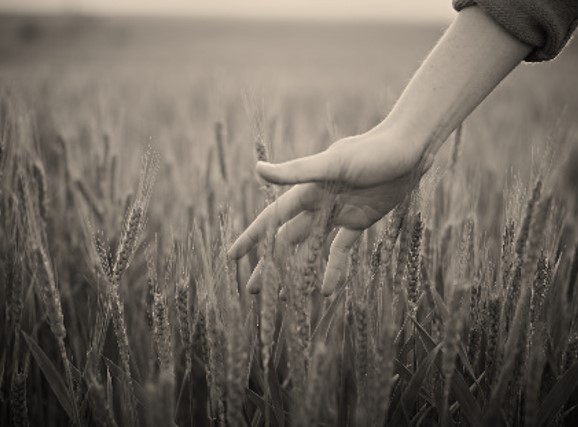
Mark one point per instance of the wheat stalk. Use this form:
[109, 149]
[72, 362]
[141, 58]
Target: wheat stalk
[269, 301]
[452, 332]
[53, 305]
[40, 179]
[18, 400]
[101, 410]
[183, 315]
[220, 140]
[316, 385]
[413, 263]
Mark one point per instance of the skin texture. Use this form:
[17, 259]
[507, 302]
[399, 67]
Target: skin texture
[372, 172]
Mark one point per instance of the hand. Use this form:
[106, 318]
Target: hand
[373, 172]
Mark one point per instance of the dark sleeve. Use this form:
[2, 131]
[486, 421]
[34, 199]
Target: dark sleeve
[545, 24]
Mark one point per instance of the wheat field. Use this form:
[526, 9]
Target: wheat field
[127, 152]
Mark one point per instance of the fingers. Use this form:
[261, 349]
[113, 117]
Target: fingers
[337, 262]
[318, 167]
[296, 230]
[254, 282]
[297, 199]
[292, 233]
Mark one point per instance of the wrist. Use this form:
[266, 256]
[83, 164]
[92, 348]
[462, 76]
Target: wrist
[421, 143]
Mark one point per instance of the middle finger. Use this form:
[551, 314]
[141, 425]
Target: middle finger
[298, 198]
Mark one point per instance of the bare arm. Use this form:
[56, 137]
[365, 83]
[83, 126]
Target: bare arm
[380, 166]
[473, 56]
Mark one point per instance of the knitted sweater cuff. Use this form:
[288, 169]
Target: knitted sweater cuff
[545, 24]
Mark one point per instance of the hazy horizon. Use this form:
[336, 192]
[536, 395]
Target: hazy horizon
[373, 10]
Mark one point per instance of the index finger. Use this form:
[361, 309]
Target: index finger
[299, 198]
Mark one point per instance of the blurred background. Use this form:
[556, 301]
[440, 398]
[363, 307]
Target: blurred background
[253, 34]
[164, 72]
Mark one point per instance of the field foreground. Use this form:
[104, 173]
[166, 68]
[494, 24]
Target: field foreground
[127, 151]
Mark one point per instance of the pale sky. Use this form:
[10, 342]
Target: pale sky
[420, 10]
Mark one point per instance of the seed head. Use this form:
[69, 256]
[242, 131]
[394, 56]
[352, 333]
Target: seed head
[128, 242]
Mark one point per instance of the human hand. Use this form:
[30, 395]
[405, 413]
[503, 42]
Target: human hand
[374, 171]
[369, 174]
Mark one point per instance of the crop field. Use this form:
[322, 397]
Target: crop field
[127, 169]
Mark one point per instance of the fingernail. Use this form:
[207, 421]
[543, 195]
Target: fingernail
[254, 291]
[252, 287]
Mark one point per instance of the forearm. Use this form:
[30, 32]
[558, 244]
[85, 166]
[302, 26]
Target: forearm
[469, 61]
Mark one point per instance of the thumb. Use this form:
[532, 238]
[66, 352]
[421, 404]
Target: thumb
[337, 262]
[318, 167]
